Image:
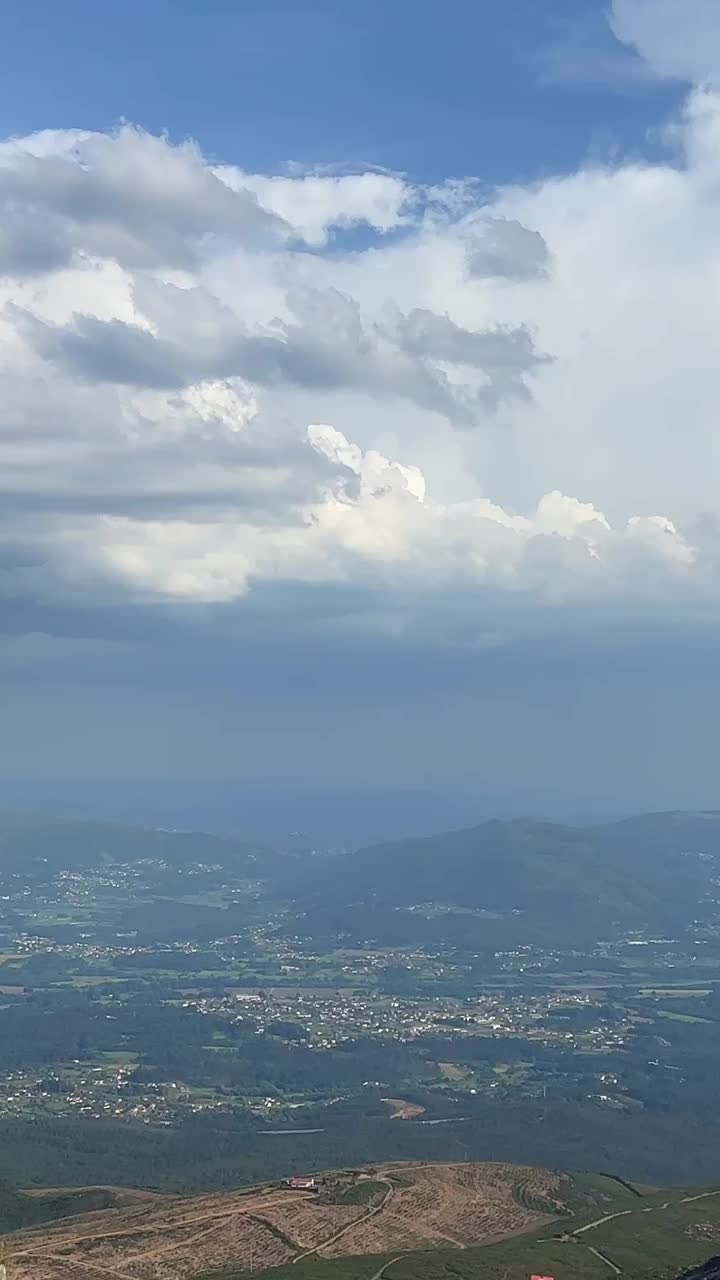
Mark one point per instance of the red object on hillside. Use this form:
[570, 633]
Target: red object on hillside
[542, 1278]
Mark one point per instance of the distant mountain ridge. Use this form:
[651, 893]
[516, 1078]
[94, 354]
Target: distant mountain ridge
[62, 843]
[531, 881]
[652, 871]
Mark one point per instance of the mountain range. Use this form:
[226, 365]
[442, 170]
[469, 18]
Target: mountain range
[519, 879]
[657, 872]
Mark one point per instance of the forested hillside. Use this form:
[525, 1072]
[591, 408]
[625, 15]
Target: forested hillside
[566, 882]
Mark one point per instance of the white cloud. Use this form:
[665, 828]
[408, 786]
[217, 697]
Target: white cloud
[502, 248]
[127, 196]
[167, 353]
[182, 335]
[386, 530]
[313, 204]
[676, 38]
[229, 404]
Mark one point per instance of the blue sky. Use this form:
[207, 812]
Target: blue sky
[358, 387]
[505, 89]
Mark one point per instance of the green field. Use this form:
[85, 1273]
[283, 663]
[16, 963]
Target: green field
[367, 1191]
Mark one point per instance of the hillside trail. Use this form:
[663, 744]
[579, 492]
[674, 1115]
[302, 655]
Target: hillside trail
[653, 1208]
[624, 1213]
[609, 1217]
[372, 1213]
[381, 1274]
[604, 1258]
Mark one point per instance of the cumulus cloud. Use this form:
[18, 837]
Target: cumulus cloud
[504, 356]
[189, 336]
[196, 410]
[503, 248]
[32, 243]
[675, 38]
[386, 529]
[315, 204]
[128, 196]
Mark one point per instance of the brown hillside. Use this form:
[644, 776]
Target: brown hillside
[393, 1206]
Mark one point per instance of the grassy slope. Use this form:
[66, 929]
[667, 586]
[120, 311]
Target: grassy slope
[646, 1241]
[18, 1210]
[367, 1192]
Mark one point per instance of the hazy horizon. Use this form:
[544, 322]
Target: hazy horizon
[372, 447]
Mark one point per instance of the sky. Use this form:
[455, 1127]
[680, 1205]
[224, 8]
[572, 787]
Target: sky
[359, 389]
